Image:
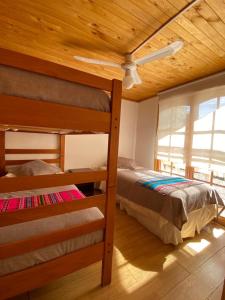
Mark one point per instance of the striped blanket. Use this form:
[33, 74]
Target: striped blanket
[13, 204]
[167, 184]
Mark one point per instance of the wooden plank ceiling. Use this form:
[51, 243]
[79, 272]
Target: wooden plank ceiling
[58, 29]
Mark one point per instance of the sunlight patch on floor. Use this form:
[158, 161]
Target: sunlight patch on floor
[170, 259]
[196, 247]
[218, 232]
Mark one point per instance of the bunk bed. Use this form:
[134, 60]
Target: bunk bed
[25, 113]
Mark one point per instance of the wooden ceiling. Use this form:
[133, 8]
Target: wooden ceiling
[56, 30]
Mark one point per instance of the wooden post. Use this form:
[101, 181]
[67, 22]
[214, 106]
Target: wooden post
[2, 152]
[62, 151]
[190, 172]
[111, 182]
[157, 165]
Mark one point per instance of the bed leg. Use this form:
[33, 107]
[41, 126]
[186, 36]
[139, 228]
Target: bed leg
[107, 267]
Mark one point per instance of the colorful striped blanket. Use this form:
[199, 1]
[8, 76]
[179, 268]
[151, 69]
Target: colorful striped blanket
[13, 204]
[167, 184]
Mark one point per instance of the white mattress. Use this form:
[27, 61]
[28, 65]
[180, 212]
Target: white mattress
[16, 82]
[47, 225]
[162, 228]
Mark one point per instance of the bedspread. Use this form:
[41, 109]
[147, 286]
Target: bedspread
[172, 197]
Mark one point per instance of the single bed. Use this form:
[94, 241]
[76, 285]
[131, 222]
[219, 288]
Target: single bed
[171, 207]
[44, 226]
[14, 201]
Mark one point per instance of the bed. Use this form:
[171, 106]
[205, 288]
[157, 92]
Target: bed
[35, 198]
[171, 207]
[39, 96]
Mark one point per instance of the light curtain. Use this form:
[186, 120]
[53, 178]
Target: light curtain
[191, 127]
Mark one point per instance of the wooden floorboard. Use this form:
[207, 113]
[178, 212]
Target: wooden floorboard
[145, 268]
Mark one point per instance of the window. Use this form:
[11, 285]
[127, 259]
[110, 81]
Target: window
[191, 132]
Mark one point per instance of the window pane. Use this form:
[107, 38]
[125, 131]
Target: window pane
[207, 107]
[166, 166]
[220, 118]
[204, 124]
[202, 174]
[222, 101]
[178, 169]
[165, 119]
[201, 141]
[219, 178]
[177, 140]
[219, 142]
[165, 141]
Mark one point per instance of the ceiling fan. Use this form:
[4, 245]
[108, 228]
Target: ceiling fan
[131, 76]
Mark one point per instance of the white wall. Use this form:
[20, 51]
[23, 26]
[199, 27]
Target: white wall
[91, 150]
[146, 132]
[128, 127]
[83, 150]
[32, 141]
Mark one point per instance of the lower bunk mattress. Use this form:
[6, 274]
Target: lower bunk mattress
[46, 225]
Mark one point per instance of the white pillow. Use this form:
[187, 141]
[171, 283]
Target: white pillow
[126, 163]
[33, 168]
[8, 175]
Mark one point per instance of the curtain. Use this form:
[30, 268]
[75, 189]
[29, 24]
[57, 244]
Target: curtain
[191, 131]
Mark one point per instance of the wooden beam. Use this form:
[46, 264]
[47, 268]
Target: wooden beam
[2, 153]
[111, 182]
[46, 272]
[62, 151]
[29, 214]
[34, 64]
[164, 25]
[32, 113]
[14, 162]
[32, 151]
[43, 181]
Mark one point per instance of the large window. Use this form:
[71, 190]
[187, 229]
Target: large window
[191, 133]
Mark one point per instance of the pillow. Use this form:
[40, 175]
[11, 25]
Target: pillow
[126, 163]
[35, 167]
[8, 175]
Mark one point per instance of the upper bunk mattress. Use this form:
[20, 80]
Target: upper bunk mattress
[17, 82]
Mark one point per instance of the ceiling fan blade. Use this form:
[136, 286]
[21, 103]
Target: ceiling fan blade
[96, 61]
[169, 50]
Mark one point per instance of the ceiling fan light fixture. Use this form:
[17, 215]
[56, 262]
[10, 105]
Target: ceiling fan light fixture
[128, 80]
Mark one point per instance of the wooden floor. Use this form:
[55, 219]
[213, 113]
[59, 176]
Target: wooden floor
[145, 268]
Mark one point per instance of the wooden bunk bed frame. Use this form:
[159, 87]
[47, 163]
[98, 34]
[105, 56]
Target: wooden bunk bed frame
[14, 114]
